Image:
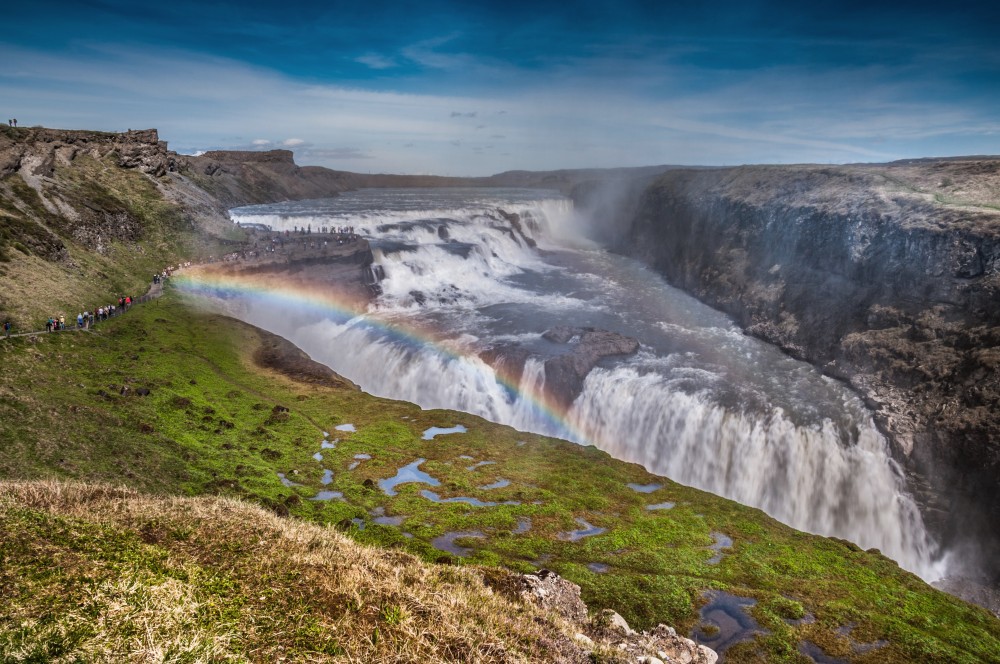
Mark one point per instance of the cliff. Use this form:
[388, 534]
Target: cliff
[86, 215]
[886, 276]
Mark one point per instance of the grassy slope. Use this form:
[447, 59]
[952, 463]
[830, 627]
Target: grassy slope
[133, 578]
[210, 426]
[47, 268]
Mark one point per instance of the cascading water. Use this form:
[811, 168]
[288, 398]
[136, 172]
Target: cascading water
[700, 403]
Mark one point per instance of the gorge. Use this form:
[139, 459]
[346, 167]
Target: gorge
[866, 387]
[884, 276]
[699, 402]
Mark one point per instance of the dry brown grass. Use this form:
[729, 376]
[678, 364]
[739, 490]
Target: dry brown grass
[207, 579]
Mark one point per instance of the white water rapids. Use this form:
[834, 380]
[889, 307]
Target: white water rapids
[700, 403]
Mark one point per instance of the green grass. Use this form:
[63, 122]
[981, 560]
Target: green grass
[210, 426]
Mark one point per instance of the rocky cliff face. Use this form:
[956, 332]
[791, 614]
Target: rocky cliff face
[885, 276]
[36, 152]
[245, 178]
[45, 159]
[84, 214]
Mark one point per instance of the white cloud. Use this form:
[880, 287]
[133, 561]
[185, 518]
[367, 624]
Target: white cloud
[199, 102]
[376, 61]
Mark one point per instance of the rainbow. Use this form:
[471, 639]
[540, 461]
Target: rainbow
[208, 285]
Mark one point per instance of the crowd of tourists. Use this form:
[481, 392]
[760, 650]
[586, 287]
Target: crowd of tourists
[266, 244]
[88, 318]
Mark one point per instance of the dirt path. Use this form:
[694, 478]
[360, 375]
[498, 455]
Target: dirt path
[155, 291]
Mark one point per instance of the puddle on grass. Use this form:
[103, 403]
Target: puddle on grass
[523, 525]
[644, 488]
[807, 619]
[446, 542]
[727, 613]
[326, 434]
[543, 560]
[816, 654]
[345, 427]
[598, 568]
[586, 530]
[318, 456]
[499, 484]
[287, 482]
[661, 506]
[389, 520]
[360, 458]
[408, 473]
[722, 541]
[466, 457]
[327, 495]
[328, 445]
[439, 431]
[522, 443]
[327, 477]
[479, 464]
[475, 502]
[360, 523]
[859, 648]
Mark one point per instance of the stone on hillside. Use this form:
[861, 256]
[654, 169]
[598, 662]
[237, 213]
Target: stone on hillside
[615, 622]
[550, 591]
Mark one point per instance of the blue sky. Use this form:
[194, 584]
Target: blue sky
[478, 88]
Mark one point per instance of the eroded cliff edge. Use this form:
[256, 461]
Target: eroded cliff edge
[886, 276]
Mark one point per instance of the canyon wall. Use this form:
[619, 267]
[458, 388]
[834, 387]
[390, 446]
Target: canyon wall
[885, 276]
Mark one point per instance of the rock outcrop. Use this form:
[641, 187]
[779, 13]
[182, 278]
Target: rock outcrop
[40, 150]
[606, 636]
[564, 374]
[887, 277]
[567, 370]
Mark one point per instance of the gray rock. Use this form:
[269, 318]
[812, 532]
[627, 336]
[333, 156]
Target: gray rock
[564, 375]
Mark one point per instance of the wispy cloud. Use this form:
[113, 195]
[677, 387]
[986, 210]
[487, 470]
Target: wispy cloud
[337, 154]
[590, 117]
[376, 61]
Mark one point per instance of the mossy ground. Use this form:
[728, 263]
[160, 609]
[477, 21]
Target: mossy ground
[209, 425]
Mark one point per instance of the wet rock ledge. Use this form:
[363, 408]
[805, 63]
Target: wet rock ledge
[564, 373]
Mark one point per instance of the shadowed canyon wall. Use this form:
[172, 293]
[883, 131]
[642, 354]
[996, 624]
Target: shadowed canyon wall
[886, 276]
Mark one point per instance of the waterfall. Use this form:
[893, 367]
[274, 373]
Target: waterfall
[804, 476]
[701, 404]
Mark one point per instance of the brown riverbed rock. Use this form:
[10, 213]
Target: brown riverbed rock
[564, 375]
